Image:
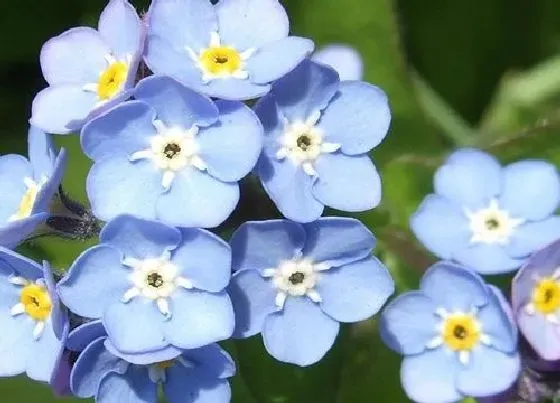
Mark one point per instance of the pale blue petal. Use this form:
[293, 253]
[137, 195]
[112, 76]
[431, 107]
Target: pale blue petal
[80, 337]
[14, 232]
[13, 262]
[300, 334]
[358, 118]
[138, 238]
[496, 320]
[532, 236]
[75, 57]
[123, 130]
[290, 188]
[487, 259]
[346, 60]
[50, 188]
[469, 178]
[197, 200]
[94, 282]
[246, 24]
[48, 115]
[233, 89]
[59, 314]
[253, 299]
[176, 105]
[542, 335]
[132, 387]
[14, 347]
[278, 58]
[323, 241]
[409, 322]
[211, 361]
[430, 377]
[41, 153]
[165, 354]
[121, 28]
[203, 258]
[231, 147]
[271, 118]
[356, 291]
[347, 183]
[13, 170]
[259, 245]
[185, 386]
[530, 189]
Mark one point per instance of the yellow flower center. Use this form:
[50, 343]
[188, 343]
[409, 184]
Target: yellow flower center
[112, 80]
[27, 201]
[461, 332]
[546, 295]
[221, 60]
[37, 301]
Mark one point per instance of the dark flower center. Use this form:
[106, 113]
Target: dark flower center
[548, 295]
[303, 142]
[460, 332]
[492, 224]
[297, 278]
[221, 59]
[154, 280]
[171, 150]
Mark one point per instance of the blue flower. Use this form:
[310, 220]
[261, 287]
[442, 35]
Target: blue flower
[345, 60]
[456, 334]
[232, 50]
[88, 70]
[295, 283]
[27, 187]
[34, 325]
[536, 301]
[194, 376]
[153, 286]
[318, 132]
[171, 155]
[487, 217]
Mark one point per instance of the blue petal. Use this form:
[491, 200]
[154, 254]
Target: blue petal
[13, 170]
[212, 361]
[203, 200]
[323, 241]
[94, 363]
[409, 322]
[115, 185]
[469, 178]
[543, 336]
[184, 386]
[430, 377]
[132, 387]
[454, 288]
[176, 105]
[232, 89]
[305, 90]
[125, 129]
[259, 245]
[42, 354]
[356, 291]
[532, 236]
[15, 340]
[487, 259]
[272, 120]
[183, 23]
[199, 318]
[59, 314]
[14, 232]
[497, 323]
[50, 117]
[278, 58]
[246, 24]
[530, 189]
[357, 118]
[50, 188]
[121, 28]
[165, 354]
[345, 60]
[489, 372]
[348, 183]
[138, 238]
[203, 258]
[300, 334]
[94, 282]
[253, 299]
[77, 56]
[13, 262]
[41, 153]
[440, 226]
[231, 147]
[290, 188]
[80, 337]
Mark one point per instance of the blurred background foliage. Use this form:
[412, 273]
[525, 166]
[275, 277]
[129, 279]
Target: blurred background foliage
[483, 73]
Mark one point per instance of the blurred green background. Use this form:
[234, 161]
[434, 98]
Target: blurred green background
[458, 72]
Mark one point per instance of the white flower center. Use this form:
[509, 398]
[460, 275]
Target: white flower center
[296, 277]
[302, 142]
[491, 224]
[154, 279]
[171, 150]
[27, 202]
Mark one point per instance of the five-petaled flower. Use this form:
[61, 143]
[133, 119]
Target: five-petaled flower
[153, 285]
[487, 217]
[89, 70]
[294, 283]
[457, 336]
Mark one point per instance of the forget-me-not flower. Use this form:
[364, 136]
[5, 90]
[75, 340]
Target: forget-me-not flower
[153, 285]
[346, 60]
[457, 336]
[34, 324]
[28, 186]
[318, 132]
[488, 217]
[295, 283]
[89, 70]
[231, 50]
[171, 155]
[193, 376]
